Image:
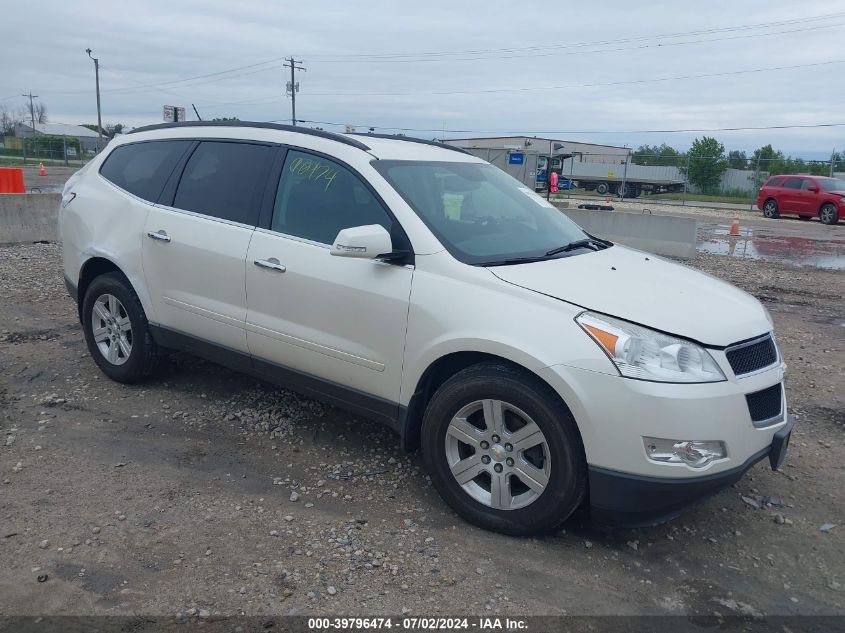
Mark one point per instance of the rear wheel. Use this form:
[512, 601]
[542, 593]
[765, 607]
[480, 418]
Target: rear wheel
[503, 451]
[602, 188]
[829, 214]
[770, 208]
[116, 329]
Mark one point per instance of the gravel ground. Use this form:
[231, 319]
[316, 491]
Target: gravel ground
[205, 492]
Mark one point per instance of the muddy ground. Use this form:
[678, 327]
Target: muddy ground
[177, 494]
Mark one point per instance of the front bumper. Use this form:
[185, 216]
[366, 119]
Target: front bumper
[636, 501]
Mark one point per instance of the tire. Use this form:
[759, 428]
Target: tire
[460, 408]
[118, 336]
[829, 214]
[770, 209]
[602, 188]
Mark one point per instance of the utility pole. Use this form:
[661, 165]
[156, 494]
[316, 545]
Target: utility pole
[32, 110]
[293, 85]
[99, 114]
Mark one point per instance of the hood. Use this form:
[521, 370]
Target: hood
[645, 289]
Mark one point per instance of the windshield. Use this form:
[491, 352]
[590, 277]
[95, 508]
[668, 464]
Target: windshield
[832, 184]
[480, 214]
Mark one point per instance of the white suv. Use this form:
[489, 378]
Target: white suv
[537, 367]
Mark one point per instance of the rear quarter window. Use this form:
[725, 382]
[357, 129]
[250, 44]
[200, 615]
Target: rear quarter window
[142, 169]
[774, 182]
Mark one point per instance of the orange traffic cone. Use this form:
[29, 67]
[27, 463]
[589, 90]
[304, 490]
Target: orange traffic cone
[607, 199]
[41, 170]
[735, 227]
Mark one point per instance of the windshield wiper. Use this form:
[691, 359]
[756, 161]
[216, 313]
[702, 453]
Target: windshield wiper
[515, 260]
[585, 243]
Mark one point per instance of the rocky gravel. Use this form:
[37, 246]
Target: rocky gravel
[203, 492]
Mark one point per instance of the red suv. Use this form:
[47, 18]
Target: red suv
[804, 196]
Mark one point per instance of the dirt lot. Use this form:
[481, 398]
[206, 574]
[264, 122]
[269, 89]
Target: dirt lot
[204, 489]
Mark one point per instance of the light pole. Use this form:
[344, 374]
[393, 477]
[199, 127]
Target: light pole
[99, 115]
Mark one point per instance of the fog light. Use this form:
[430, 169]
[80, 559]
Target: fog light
[695, 454]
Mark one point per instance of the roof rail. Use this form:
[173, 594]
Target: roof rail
[411, 139]
[340, 138]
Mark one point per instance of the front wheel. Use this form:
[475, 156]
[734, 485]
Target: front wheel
[770, 209]
[503, 451]
[829, 214]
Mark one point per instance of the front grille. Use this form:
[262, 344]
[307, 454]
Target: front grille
[765, 405]
[747, 357]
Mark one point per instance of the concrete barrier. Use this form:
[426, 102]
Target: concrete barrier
[28, 218]
[660, 234]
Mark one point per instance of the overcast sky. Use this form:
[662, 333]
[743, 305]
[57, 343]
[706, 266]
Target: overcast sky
[383, 63]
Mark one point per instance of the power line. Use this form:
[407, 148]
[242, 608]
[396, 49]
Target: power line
[573, 86]
[640, 38]
[258, 66]
[576, 52]
[536, 133]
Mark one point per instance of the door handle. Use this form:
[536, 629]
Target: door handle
[160, 235]
[272, 264]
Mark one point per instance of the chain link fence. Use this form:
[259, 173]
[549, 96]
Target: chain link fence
[50, 150]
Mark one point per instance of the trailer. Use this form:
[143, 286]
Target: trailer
[626, 180]
[530, 166]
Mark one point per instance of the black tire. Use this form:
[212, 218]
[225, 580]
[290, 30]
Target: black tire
[567, 478]
[142, 358]
[602, 188]
[770, 209]
[829, 214]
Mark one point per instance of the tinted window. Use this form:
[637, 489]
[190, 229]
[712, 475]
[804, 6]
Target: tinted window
[143, 168]
[774, 182]
[806, 183]
[793, 183]
[318, 197]
[224, 180]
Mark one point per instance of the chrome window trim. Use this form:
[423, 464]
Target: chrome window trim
[203, 216]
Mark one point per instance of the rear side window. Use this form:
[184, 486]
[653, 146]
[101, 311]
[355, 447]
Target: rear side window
[318, 197]
[774, 182]
[793, 183]
[142, 169]
[224, 180]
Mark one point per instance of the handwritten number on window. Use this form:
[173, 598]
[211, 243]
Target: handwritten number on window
[314, 171]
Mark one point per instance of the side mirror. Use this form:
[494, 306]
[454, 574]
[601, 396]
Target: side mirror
[362, 242]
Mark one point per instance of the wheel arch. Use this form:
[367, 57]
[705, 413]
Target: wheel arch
[438, 372]
[98, 265]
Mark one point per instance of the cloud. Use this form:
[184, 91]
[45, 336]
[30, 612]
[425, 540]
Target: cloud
[144, 45]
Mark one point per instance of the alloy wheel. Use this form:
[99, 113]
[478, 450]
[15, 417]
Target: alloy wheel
[112, 329]
[498, 454]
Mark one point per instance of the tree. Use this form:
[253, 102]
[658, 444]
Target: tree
[768, 159]
[706, 164]
[656, 155]
[40, 111]
[737, 159]
[8, 121]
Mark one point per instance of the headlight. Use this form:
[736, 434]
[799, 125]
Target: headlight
[639, 352]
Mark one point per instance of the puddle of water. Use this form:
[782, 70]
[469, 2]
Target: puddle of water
[799, 251]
